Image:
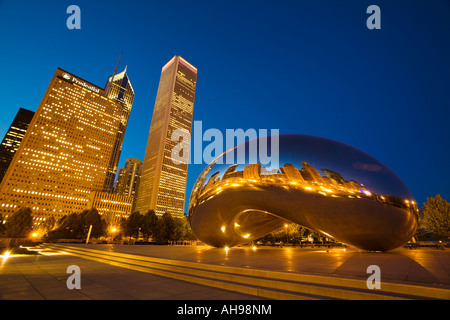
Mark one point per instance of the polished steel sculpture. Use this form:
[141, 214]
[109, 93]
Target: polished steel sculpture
[321, 184]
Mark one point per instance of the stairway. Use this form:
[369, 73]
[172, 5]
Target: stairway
[262, 283]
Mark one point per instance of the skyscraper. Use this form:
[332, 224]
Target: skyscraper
[163, 183]
[13, 138]
[128, 179]
[67, 150]
[118, 88]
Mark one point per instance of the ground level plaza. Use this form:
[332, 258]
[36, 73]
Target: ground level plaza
[201, 272]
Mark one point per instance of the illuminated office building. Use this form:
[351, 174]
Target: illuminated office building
[67, 150]
[112, 207]
[118, 88]
[128, 179]
[163, 183]
[13, 138]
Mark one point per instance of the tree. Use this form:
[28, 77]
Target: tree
[166, 228]
[149, 225]
[183, 229]
[69, 228]
[91, 217]
[133, 225]
[61, 231]
[76, 226]
[47, 225]
[19, 224]
[436, 216]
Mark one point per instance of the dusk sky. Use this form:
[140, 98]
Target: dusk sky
[302, 67]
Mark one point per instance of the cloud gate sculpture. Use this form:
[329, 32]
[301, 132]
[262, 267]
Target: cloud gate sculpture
[321, 184]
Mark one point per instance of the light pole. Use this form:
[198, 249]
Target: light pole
[286, 229]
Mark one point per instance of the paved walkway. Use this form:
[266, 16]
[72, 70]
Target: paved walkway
[416, 266]
[44, 276]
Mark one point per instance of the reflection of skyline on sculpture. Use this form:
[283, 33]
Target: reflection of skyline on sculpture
[321, 184]
[345, 170]
[331, 183]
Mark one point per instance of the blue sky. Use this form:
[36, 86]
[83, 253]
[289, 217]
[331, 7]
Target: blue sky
[305, 67]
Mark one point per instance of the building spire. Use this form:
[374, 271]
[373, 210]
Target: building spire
[115, 70]
[108, 85]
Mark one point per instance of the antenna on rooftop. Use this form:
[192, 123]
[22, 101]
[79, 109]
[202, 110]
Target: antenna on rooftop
[115, 70]
[108, 86]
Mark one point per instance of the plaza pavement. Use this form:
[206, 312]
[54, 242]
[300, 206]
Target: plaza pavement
[110, 271]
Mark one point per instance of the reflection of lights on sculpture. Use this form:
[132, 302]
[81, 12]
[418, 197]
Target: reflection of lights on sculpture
[321, 184]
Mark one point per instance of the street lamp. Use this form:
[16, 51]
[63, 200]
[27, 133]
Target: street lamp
[113, 231]
[33, 236]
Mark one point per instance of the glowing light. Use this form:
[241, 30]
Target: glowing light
[254, 248]
[223, 229]
[246, 235]
[226, 249]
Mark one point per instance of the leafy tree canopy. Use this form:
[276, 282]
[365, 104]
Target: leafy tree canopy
[19, 224]
[436, 216]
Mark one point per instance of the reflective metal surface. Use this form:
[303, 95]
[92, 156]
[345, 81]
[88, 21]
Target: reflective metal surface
[321, 184]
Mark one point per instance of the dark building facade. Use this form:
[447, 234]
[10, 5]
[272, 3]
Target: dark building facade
[119, 89]
[13, 138]
[128, 179]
